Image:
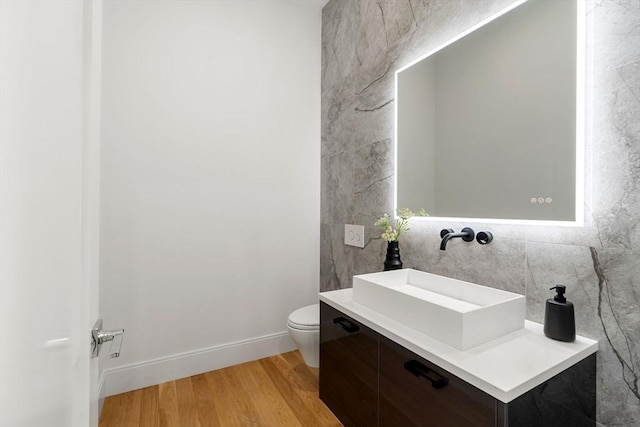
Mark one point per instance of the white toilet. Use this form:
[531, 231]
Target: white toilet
[304, 328]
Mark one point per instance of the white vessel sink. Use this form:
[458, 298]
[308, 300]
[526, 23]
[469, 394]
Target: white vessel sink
[458, 313]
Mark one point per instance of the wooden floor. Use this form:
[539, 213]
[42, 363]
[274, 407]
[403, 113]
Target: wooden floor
[279, 391]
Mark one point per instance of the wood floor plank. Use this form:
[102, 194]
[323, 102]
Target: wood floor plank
[309, 410]
[112, 411]
[306, 377]
[123, 410]
[168, 415]
[278, 391]
[272, 409]
[186, 403]
[232, 403]
[149, 407]
[132, 409]
[205, 402]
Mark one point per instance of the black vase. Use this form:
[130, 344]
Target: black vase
[392, 262]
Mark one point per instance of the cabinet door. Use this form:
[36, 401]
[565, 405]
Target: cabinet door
[415, 392]
[566, 400]
[348, 368]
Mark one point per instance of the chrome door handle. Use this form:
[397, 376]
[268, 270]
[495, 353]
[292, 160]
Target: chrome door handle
[99, 337]
[116, 343]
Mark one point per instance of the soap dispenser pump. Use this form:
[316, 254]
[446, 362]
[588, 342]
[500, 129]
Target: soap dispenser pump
[559, 317]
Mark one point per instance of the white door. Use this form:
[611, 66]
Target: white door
[48, 213]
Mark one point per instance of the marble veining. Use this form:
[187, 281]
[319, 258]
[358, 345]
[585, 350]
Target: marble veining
[625, 352]
[368, 110]
[363, 43]
[377, 79]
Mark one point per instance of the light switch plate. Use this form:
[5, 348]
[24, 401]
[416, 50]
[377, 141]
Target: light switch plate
[354, 235]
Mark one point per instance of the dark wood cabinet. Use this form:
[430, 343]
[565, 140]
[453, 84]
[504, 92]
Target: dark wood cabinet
[368, 380]
[566, 400]
[415, 392]
[348, 368]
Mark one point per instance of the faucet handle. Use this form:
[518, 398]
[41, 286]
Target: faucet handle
[445, 231]
[484, 237]
[469, 234]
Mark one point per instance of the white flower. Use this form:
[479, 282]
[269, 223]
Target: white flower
[402, 224]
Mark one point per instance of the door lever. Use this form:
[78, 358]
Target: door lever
[99, 337]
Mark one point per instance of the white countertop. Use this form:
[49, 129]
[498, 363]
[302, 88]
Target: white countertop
[505, 368]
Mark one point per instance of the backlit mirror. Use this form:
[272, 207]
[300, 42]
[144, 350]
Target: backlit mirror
[490, 125]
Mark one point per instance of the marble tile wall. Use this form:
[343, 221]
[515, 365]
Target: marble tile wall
[363, 43]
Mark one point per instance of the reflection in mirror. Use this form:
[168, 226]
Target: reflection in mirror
[487, 127]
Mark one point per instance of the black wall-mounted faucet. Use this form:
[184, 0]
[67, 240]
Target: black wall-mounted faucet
[467, 234]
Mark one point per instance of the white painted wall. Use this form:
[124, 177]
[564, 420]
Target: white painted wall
[210, 181]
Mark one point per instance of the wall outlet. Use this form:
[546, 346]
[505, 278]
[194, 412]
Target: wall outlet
[354, 235]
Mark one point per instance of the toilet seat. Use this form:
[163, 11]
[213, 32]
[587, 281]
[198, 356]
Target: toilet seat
[305, 318]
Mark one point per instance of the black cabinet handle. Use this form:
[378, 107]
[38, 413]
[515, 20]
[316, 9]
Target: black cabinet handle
[419, 370]
[346, 325]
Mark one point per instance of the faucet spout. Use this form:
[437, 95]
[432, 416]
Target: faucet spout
[447, 237]
[467, 234]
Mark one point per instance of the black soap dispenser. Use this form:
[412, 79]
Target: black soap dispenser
[559, 317]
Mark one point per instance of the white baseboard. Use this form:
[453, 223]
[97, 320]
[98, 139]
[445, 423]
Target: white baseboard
[156, 371]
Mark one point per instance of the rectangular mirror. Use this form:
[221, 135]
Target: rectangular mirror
[490, 126]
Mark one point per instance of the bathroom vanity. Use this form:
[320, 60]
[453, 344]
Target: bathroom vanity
[376, 371]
